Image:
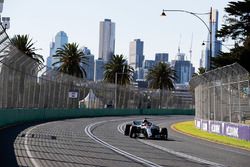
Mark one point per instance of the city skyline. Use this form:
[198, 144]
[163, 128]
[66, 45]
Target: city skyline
[80, 20]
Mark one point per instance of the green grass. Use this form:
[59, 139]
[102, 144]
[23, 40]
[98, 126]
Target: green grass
[189, 128]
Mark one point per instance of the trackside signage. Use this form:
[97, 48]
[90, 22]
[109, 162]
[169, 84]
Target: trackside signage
[232, 131]
[73, 95]
[240, 131]
[215, 128]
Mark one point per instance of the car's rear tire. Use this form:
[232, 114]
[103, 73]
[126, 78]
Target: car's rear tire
[132, 132]
[127, 128]
[164, 133]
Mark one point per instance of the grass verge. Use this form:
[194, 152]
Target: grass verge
[190, 129]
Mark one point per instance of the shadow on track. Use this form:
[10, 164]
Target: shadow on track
[7, 139]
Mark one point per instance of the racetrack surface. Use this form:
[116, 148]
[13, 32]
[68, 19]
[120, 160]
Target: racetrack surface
[99, 142]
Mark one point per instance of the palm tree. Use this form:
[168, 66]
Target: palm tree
[201, 71]
[118, 69]
[162, 76]
[26, 45]
[71, 60]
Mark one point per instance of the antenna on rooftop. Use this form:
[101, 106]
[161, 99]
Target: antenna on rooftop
[179, 50]
[190, 51]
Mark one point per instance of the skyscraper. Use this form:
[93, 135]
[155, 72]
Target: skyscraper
[184, 69]
[106, 40]
[216, 44]
[161, 57]
[136, 57]
[89, 67]
[61, 39]
[136, 53]
[99, 69]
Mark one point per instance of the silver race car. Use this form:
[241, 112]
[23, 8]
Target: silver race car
[145, 129]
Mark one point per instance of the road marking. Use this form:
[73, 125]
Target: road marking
[32, 159]
[120, 128]
[117, 150]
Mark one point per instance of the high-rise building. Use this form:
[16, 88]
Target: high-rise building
[161, 57]
[99, 70]
[106, 40]
[61, 39]
[148, 64]
[136, 57]
[89, 67]
[216, 44]
[184, 69]
[136, 53]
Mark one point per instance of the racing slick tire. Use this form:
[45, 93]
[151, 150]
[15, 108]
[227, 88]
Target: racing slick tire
[132, 132]
[127, 128]
[164, 133]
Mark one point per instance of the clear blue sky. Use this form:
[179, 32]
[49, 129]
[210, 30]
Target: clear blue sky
[134, 19]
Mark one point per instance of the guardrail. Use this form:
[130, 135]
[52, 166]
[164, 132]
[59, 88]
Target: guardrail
[18, 116]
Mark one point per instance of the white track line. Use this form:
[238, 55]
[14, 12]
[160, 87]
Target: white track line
[117, 150]
[32, 159]
[179, 154]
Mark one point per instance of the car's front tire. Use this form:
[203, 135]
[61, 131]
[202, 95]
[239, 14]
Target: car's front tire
[127, 128]
[164, 133]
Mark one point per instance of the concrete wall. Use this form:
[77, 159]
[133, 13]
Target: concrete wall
[16, 116]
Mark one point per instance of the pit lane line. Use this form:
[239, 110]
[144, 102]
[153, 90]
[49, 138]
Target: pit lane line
[117, 150]
[120, 128]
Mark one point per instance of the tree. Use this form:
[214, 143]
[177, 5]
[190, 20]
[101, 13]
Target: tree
[236, 27]
[237, 23]
[117, 67]
[161, 76]
[71, 60]
[201, 71]
[26, 45]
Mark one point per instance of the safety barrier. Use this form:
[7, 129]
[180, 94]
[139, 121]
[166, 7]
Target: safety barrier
[18, 116]
[236, 130]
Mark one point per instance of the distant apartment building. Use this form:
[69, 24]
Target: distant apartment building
[106, 40]
[61, 39]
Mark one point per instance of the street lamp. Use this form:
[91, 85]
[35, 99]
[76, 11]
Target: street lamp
[208, 28]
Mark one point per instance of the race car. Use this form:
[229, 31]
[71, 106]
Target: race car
[145, 129]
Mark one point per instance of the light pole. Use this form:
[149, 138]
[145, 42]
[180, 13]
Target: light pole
[209, 28]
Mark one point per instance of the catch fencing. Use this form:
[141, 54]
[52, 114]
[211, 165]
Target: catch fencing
[24, 83]
[223, 94]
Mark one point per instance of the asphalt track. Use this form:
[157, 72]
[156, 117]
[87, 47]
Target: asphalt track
[100, 142]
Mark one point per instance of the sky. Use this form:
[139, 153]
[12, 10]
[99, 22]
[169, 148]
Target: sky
[134, 19]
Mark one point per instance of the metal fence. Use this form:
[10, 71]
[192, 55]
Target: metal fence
[26, 84]
[223, 94]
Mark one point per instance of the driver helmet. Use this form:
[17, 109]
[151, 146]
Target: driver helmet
[145, 120]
